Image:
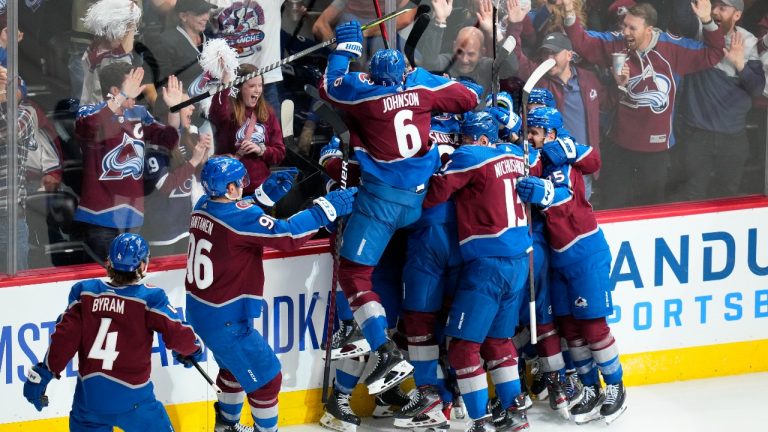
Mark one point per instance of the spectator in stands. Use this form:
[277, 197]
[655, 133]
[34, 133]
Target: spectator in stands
[714, 107]
[172, 180]
[246, 127]
[44, 160]
[25, 141]
[341, 11]
[113, 135]
[469, 59]
[114, 24]
[176, 50]
[252, 28]
[577, 90]
[636, 164]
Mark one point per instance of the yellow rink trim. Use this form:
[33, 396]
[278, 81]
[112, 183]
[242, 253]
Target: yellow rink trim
[655, 367]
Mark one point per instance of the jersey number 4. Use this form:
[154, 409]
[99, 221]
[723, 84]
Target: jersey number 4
[199, 264]
[104, 347]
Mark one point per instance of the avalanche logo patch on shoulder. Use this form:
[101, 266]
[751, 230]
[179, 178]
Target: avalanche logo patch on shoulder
[580, 302]
[244, 204]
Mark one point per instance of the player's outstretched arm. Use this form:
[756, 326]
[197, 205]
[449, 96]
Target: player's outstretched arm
[163, 318]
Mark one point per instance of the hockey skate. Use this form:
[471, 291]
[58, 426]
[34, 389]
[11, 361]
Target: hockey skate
[615, 402]
[484, 424]
[574, 390]
[589, 407]
[425, 409]
[514, 420]
[389, 370]
[558, 401]
[498, 414]
[389, 401]
[338, 414]
[538, 389]
[224, 425]
[348, 341]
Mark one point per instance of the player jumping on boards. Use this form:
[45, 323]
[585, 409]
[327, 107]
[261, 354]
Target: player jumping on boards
[111, 325]
[225, 284]
[390, 113]
[580, 265]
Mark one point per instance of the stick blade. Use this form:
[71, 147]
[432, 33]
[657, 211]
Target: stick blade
[327, 114]
[286, 118]
[537, 74]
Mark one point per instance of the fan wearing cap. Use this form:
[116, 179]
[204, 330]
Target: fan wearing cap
[110, 325]
[714, 107]
[175, 52]
[578, 92]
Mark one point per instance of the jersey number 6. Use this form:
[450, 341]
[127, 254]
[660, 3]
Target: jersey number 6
[199, 265]
[408, 138]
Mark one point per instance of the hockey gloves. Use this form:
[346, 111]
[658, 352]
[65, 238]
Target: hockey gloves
[276, 186]
[536, 190]
[34, 388]
[189, 360]
[349, 40]
[336, 204]
[560, 151]
[476, 88]
[509, 121]
[330, 151]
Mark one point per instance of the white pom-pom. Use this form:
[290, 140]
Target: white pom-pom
[111, 18]
[216, 53]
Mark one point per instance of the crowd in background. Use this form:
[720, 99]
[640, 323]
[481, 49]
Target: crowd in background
[683, 121]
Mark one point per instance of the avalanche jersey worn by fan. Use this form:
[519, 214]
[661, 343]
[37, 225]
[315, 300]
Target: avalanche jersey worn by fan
[393, 122]
[111, 329]
[113, 163]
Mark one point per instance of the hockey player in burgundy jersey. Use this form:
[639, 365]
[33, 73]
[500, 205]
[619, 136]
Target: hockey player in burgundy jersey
[494, 240]
[225, 283]
[390, 113]
[112, 136]
[580, 267]
[110, 326]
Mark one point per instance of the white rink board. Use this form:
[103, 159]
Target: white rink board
[735, 304]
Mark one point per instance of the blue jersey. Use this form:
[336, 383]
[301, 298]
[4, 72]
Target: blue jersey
[392, 123]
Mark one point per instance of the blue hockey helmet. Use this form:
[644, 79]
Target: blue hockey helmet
[503, 100]
[387, 67]
[128, 251]
[219, 172]
[542, 96]
[545, 117]
[477, 124]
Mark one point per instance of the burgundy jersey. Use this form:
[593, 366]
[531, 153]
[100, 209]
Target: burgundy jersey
[491, 217]
[111, 329]
[113, 163]
[393, 122]
[225, 272]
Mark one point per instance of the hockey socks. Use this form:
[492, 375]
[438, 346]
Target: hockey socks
[355, 280]
[604, 350]
[464, 357]
[263, 404]
[423, 350]
[231, 397]
[348, 373]
[501, 359]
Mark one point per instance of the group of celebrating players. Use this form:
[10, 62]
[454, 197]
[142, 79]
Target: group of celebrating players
[452, 190]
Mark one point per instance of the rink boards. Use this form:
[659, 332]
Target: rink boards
[691, 301]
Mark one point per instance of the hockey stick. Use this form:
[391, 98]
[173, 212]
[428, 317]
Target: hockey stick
[494, 71]
[205, 376]
[327, 114]
[382, 27]
[290, 58]
[537, 74]
[420, 23]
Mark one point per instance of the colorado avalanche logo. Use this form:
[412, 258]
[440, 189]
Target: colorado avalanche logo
[241, 27]
[125, 160]
[184, 190]
[649, 89]
[258, 135]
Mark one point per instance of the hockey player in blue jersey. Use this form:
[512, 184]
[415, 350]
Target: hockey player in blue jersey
[110, 325]
[493, 241]
[430, 275]
[580, 265]
[225, 283]
[389, 113]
